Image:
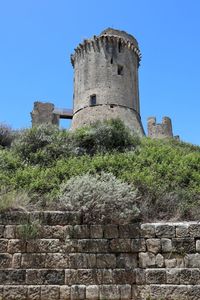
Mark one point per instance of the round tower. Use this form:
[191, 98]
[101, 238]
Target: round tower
[106, 80]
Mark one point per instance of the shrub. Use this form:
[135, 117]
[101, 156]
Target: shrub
[6, 135]
[12, 199]
[42, 144]
[100, 198]
[107, 136]
[29, 230]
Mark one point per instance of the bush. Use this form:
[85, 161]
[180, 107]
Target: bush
[42, 144]
[12, 199]
[100, 198]
[107, 136]
[6, 135]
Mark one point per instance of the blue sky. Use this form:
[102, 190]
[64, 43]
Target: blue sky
[38, 36]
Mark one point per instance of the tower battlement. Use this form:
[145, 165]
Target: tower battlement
[160, 130]
[106, 80]
[106, 86]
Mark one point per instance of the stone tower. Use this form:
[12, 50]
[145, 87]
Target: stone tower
[106, 80]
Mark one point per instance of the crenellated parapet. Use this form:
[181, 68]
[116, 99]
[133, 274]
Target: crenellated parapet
[104, 41]
[160, 130]
[106, 80]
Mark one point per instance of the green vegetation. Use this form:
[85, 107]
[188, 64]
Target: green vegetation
[164, 174]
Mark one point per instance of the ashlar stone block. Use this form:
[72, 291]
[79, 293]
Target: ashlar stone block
[109, 292]
[78, 292]
[92, 292]
[147, 231]
[153, 245]
[147, 259]
[50, 292]
[65, 292]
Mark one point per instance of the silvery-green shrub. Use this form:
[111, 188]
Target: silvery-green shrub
[100, 198]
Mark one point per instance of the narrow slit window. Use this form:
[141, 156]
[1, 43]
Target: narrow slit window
[120, 70]
[111, 61]
[93, 100]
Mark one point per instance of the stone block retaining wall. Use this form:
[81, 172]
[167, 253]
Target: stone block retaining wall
[59, 258]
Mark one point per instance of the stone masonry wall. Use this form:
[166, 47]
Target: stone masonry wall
[65, 259]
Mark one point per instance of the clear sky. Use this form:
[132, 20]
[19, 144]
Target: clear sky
[38, 36]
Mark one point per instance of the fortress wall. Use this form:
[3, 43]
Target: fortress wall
[66, 259]
[90, 115]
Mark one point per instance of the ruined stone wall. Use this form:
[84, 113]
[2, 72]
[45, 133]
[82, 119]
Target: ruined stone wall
[43, 113]
[160, 130]
[69, 260]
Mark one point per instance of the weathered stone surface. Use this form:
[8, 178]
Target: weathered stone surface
[160, 262]
[147, 259]
[166, 245]
[82, 261]
[164, 230]
[184, 245]
[129, 231]
[182, 231]
[109, 292]
[194, 230]
[92, 292]
[34, 292]
[125, 292]
[15, 293]
[172, 276]
[56, 261]
[3, 245]
[65, 292]
[170, 263]
[96, 231]
[16, 260]
[155, 276]
[81, 232]
[47, 277]
[10, 232]
[127, 261]
[64, 261]
[78, 292]
[55, 232]
[14, 217]
[147, 231]
[61, 218]
[120, 245]
[153, 245]
[11, 276]
[121, 276]
[94, 245]
[50, 293]
[43, 245]
[5, 260]
[192, 260]
[80, 276]
[33, 260]
[70, 245]
[193, 292]
[171, 292]
[106, 261]
[138, 245]
[111, 231]
[2, 231]
[140, 276]
[198, 245]
[16, 245]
